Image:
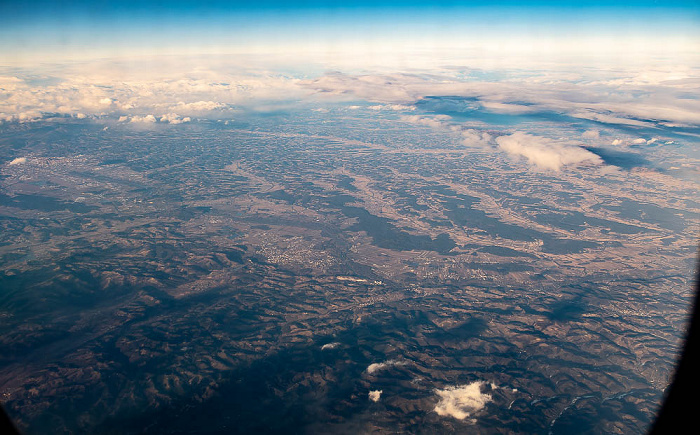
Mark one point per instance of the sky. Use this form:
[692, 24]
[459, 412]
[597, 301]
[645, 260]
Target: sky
[50, 30]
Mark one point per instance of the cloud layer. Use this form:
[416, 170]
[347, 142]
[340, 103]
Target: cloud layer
[653, 96]
[631, 95]
[123, 89]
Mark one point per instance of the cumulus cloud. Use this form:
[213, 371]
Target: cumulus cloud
[329, 346]
[18, 160]
[461, 401]
[147, 119]
[24, 116]
[545, 153]
[375, 395]
[639, 141]
[94, 89]
[374, 368]
[174, 118]
[470, 137]
[8, 83]
[475, 138]
[616, 142]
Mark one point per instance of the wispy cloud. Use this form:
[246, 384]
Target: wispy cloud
[329, 346]
[374, 368]
[435, 121]
[507, 108]
[394, 107]
[197, 106]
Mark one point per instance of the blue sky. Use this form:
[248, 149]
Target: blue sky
[50, 27]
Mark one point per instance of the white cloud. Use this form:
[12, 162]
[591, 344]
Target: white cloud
[435, 121]
[617, 142]
[175, 86]
[636, 103]
[507, 108]
[18, 160]
[639, 141]
[375, 395]
[545, 153]
[610, 119]
[461, 401]
[475, 138]
[394, 107]
[25, 116]
[147, 119]
[378, 88]
[628, 95]
[401, 107]
[174, 118]
[373, 368]
[9, 83]
[330, 346]
[197, 106]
